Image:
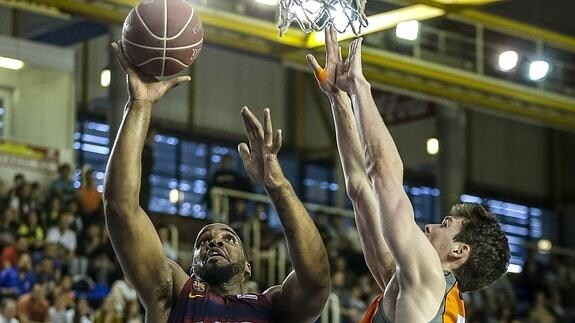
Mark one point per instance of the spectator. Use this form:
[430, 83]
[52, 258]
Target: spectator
[19, 179]
[3, 195]
[58, 311]
[8, 226]
[81, 313]
[121, 294]
[540, 313]
[132, 312]
[33, 306]
[227, 177]
[63, 187]
[77, 223]
[11, 253]
[87, 249]
[89, 198]
[16, 281]
[32, 229]
[107, 313]
[47, 272]
[62, 235]
[22, 201]
[169, 250]
[8, 310]
[50, 217]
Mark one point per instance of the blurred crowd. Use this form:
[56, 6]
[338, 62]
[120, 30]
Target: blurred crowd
[57, 263]
[56, 260]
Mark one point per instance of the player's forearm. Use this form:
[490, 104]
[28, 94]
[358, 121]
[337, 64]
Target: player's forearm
[380, 153]
[122, 184]
[305, 246]
[358, 187]
[348, 144]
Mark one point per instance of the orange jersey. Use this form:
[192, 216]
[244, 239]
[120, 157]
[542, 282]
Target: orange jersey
[452, 309]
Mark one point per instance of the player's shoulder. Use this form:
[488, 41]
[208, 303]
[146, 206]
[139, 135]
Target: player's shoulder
[272, 293]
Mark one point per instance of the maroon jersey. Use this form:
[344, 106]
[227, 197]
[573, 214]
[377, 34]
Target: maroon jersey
[196, 304]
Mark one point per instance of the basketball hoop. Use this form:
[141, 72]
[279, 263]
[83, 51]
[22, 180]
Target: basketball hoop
[315, 15]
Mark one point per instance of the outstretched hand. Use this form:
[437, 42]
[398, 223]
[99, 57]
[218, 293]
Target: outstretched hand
[144, 87]
[337, 75]
[260, 157]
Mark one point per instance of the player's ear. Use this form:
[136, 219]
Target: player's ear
[460, 250]
[248, 270]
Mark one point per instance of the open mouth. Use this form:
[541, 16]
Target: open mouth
[213, 253]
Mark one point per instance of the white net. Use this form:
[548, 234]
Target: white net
[315, 15]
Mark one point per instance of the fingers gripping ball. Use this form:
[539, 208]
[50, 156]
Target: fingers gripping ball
[162, 37]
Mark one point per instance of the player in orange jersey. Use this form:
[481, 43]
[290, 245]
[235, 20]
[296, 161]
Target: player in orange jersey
[421, 274]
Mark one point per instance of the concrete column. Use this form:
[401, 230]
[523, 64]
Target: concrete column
[117, 93]
[451, 175]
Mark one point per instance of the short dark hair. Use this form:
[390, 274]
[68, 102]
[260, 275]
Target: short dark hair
[489, 254]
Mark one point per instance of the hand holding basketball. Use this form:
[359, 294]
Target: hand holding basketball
[142, 87]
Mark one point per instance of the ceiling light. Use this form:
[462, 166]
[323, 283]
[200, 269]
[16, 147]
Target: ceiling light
[538, 70]
[408, 30]
[105, 77]
[11, 63]
[508, 60]
[432, 146]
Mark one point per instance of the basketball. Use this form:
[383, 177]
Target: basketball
[162, 37]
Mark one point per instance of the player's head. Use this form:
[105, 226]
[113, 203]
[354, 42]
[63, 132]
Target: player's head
[470, 241]
[219, 255]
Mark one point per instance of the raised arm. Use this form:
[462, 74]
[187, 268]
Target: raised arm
[133, 235]
[304, 292]
[416, 258]
[376, 252]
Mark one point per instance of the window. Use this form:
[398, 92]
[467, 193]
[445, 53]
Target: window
[425, 201]
[519, 222]
[164, 181]
[91, 142]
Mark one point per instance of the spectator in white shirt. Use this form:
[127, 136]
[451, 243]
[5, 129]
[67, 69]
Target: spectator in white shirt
[8, 310]
[61, 234]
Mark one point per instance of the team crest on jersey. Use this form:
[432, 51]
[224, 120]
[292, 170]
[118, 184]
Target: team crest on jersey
[199, 286]
[247, 296]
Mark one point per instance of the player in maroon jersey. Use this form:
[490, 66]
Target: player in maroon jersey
[213, 292]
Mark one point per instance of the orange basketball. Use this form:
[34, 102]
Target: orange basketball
[162, 37]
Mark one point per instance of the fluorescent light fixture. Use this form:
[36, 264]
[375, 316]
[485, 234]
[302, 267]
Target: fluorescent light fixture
[408, 30]
[508, 60]
[432, 146]
[268, 2]
[105, 77]
[538, 70]
[11, 63]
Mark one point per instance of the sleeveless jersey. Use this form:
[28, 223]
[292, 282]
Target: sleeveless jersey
[452, 309]
[196, 304]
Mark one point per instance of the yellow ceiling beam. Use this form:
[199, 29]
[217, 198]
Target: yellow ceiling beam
[512, 99]
[466, 2]
[519, 29]
[505, 25]
[382, 21]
